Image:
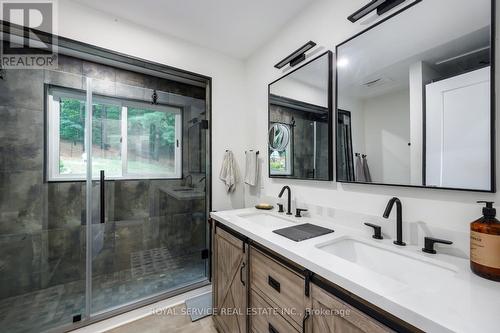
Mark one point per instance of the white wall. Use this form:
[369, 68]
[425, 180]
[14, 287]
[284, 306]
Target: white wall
[240, 114]
[229, 125]
[325, 23]
[357, 123]
[420, 75]
[387, 133]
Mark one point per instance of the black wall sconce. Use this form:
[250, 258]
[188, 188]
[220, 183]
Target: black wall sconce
[297, 56]
[382, 6]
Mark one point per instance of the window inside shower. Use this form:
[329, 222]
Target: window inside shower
[131, 140]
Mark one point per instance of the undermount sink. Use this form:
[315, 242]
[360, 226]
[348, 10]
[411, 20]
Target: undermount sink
[267, 220]
[408, 269]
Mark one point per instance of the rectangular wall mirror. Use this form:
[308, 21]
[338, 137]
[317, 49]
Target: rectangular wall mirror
[300, 122]
[415, 99]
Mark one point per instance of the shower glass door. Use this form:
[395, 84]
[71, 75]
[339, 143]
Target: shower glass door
[75, 247]
[148, 196]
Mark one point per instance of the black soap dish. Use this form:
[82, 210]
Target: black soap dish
[303, 232]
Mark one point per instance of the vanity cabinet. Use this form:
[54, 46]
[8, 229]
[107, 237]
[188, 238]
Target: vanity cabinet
[230, 295]
[330, 314]
[258, 291]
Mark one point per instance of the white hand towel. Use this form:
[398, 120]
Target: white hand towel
[251, 168]
[359, 173]
[228, 172]
[366, 170]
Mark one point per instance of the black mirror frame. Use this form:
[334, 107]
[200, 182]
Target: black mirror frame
[492, 106]
[330, 119]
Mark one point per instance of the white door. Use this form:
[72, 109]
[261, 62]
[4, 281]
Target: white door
[458, 139]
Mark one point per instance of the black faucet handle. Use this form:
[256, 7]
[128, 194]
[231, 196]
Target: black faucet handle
[280, 208]
[377, 230]
[429, 244]
[298, 212]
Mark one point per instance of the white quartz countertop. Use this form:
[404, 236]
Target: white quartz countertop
[462, 302]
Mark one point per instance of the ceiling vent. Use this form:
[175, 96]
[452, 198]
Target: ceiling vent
[381, 81]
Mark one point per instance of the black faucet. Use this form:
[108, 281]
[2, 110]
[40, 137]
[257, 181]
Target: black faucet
[185, 181]
[399, 219]
[203, 179]
[289, 210]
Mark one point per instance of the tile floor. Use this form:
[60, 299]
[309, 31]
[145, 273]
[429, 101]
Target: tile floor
[50, 307]
[173, 320]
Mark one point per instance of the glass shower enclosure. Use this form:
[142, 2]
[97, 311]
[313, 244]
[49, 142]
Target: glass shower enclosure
[104, 192]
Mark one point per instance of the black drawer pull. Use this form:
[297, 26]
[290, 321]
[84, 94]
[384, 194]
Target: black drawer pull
[307, 314]
[241, 273]
[272, 329]
[274, 284]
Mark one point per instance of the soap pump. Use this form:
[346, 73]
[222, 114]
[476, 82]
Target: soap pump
[485, 244]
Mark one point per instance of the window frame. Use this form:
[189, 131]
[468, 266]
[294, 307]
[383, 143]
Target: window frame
[54, 93]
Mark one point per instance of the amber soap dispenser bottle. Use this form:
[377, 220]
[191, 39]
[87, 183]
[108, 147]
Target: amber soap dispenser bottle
[485, 244]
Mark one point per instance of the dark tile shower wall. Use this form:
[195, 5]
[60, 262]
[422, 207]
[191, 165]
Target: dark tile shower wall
[21, 158]
[322, 158]
[42, 233]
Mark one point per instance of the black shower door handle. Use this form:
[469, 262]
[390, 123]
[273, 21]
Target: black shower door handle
[103, 197]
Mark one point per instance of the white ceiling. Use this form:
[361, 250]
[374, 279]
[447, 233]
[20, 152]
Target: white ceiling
[234, 27]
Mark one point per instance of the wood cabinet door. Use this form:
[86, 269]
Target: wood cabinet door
[331, 315]
[230, 282]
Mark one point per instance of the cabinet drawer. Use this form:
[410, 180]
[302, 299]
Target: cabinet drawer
[278, 285]
[336, 316]
[266, 318]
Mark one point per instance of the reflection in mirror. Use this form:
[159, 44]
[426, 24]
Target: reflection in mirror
[279, 137]
[414, 103]
[300, 122]
[279, 144]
